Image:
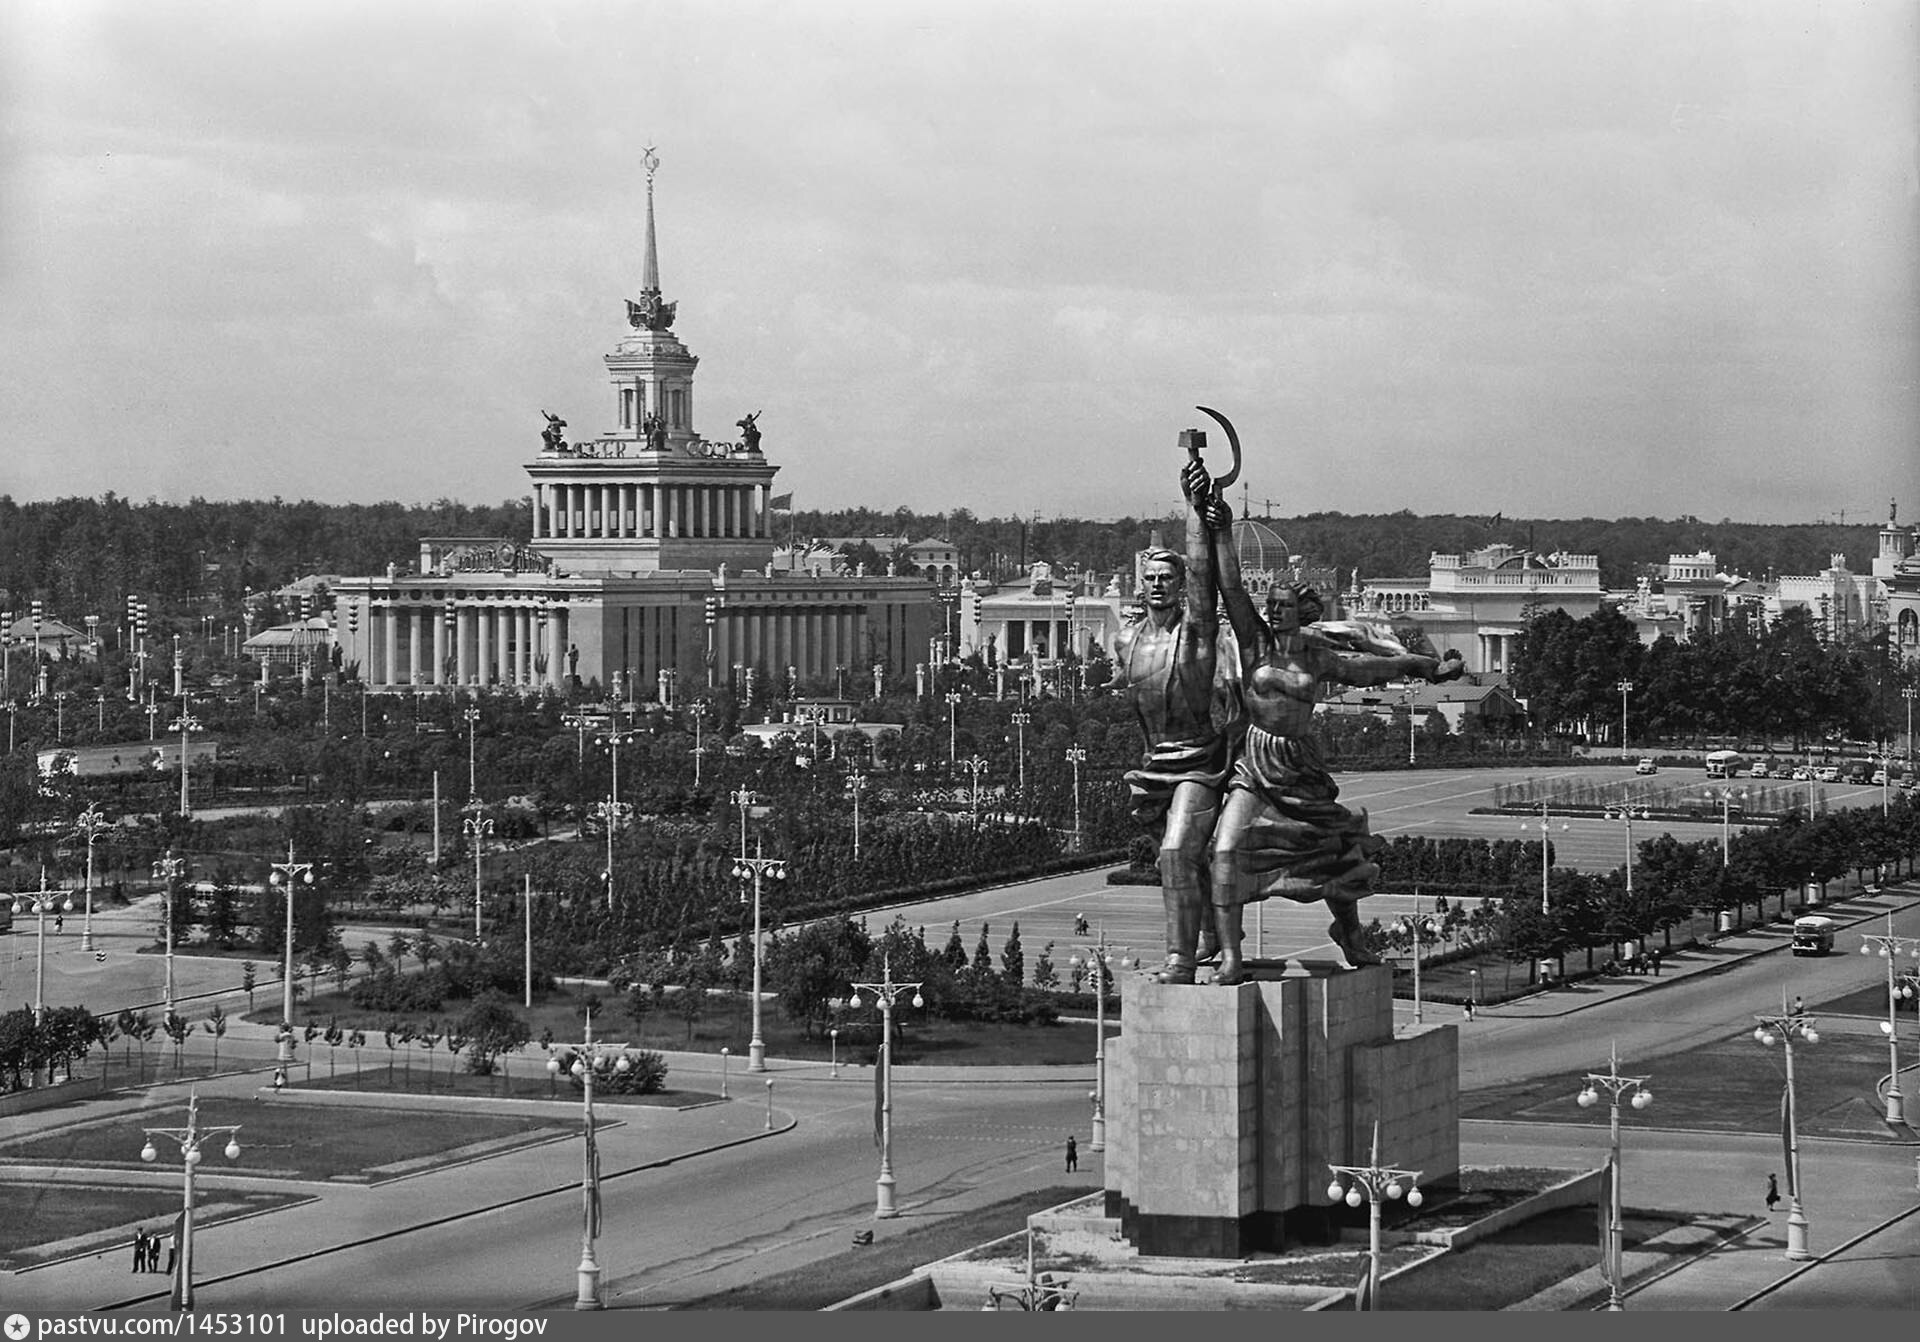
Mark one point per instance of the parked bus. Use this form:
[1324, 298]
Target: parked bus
[1813, 935]
[1724, 763]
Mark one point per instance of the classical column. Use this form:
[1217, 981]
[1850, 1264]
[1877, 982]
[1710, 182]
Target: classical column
[649, 512]
[390, 618]
[414, 632]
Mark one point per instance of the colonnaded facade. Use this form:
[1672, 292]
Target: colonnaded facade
[649, 568]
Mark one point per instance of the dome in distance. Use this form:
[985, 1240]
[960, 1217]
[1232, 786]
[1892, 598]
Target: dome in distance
[1260, 548]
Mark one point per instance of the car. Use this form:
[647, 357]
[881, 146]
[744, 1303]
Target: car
[1759, 770]
[1827, 773]
[1858, 774]
[1646, 766]
[1802, 774]
[1879, 778]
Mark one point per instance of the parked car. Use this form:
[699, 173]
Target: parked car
[1827, 773]
[1646, 766]
[1759, 770]
[1879, 778]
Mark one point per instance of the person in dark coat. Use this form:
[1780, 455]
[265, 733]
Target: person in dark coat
[1773, 1191]
[1073, 1155]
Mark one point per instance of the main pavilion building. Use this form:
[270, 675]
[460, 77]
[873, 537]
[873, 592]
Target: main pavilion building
[649, 566]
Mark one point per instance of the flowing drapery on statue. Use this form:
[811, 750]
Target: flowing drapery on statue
[1300, 843]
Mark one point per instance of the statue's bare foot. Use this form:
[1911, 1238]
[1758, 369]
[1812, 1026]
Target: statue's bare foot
[1176, 970]
[1230, 970]
[1345, 934]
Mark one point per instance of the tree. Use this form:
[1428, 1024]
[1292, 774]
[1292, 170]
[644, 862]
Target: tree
[176, 1027]
[1044, 974]
[1013, 962]
[216, 1025]
[249, 978]
[814, 966]
[982, 956]
[492, 1027]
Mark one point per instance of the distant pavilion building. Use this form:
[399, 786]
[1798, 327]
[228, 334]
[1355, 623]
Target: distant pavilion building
[1478, 603]
[650, 564]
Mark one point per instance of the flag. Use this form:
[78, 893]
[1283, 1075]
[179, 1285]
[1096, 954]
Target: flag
[593, 1181]
[879, 1093]
[1607, 1173]
[1786, 1136]
[781, 503]
[1363, 1293]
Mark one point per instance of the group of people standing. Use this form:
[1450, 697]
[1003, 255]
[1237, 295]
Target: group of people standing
[147, 1246]
[1232, 782]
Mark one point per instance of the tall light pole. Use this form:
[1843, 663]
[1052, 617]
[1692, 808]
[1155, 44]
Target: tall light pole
[1546, 845]
[1020, 719]
[189, 1140]
[1615, 1086]
[1076, 756]
[586, 1061]
[1891, 949]
[1419, 929]
[885, 993]
[975, 766]
[169, 869]
[476, 827]
[184, 724]
[953, 726]
[1626, 814]
[856, 784]
[472, 715]
[612, 740]
[1373, 1183]
[1098, 962]
[1781, 1029]
[1411, 760]
[755, 869]
[1909, 693]
[41, 902]
[288, 874]
[700, 709]
[1625, 687]
[1727, 796]
[91, 826]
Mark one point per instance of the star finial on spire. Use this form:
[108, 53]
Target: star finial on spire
[651, 162]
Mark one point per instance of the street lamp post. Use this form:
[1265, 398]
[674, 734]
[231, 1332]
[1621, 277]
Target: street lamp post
[169, 869]
[1076, 756]
[1727, 796]
[975, 766]
[1098, 961]
[1546, 845]
[885, 993]
[185, 723]
[1373, 1183]
[1020, 719]
[1625, 687]
[91, 826]
[1782, 1028]
[472, 715]
[1615, 1086]
[41, 902]
[1891, 949]
[588, 1059]
[856, 784]
[1420, 928]
[953, 726]
[1411, 760]
[699, 711]
[189, 1139]
[476, 827]
[1626, 814]
[612, 741]
[288, 874]
[756, 869]
[1909, 693]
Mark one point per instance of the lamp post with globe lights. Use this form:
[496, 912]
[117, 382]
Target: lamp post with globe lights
[1021, 719]
[92, 826]
[40, 903]
[1076, 756]
[184, 724]
[1783, 1029]
[1626, 813]
[613, 741]
[1373, 1183]
[189, 1139]
[1546, 846]
[1420, 929]
[1615, 1085]
[699, 710]
[169, 870]
[476, 827]
[856, 785]
[585, 1061]
[885, 993]
[288, 875]
[471, 714]
[755, 869]
[1098, 961]
[1727, 797]
[1891, 948]
[953, 726]
[1625, 687]
[975, 765]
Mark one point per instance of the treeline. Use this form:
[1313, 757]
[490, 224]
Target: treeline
[85, 556]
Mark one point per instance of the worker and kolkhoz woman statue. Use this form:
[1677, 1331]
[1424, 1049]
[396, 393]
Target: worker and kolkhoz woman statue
[1232, 783]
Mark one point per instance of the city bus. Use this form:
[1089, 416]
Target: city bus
[1813, 935]
[1724, 763]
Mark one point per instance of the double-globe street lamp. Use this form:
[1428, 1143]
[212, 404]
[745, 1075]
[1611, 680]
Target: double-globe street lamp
[1783, 1029]
[92, 826]
[1546, 848]
[168, 870]
[1421, 930]
[884, 993]
[1625, 687]
[189, 1139]
[476, 827]
[184, 724]
[1891, 948]
[585, 1061]
[755, 869]
[612, 741]
[1021, 719]
[1076, 756]
[1615, 1085]
[1098, 962]
[41, 902]
[289, 875]
[1373, 1183]
[1728, 797]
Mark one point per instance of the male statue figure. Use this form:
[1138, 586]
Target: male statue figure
[1166, 660]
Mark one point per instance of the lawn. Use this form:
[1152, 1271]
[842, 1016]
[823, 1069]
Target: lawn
[1514, 1264]
[527, 1080]
[298, 1141]
[1731, 1085]
[49, 1221]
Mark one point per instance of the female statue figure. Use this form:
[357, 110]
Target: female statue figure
[1282, 829]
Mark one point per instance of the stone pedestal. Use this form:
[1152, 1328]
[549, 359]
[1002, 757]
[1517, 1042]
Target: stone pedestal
[1226, 1105]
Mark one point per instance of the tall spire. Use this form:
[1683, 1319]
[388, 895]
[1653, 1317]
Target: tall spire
[650, 312]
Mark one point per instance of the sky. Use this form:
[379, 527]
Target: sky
[1647, 258]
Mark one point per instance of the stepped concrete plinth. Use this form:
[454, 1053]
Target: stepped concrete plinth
[1225, 1106]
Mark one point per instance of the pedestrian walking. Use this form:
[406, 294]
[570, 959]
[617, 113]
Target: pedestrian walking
[59, 921]
[1468, 1011]
[1073, 1154]
[1656, 964]
[1773, 1191]
[139, 1250]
